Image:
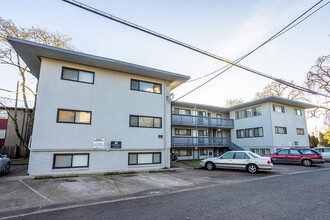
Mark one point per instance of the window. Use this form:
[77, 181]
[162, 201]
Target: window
[145, 121]
[144, 158]
[70, 161]
[264, 151]
[296, 143]
[298, 112]
[278, 108]
[283, 152]
[254, 150]
[258, 132]
[241, 155]
[77, 75]
[300, 131]
[308, 152]
[73, 116]
[203, 152]
[3, 114]
[240, 133]
[228, 155]
[183, 152]
[219, 115]
[248, 113]
[146, 86]
[249, 133]
[2, 133]
[183, 132]
[280, 130]
[181, 111]
[295, 152]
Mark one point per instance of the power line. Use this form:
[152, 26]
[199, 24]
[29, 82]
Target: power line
[6, 90]
[2, 97]
[156, 34]
[282, 31]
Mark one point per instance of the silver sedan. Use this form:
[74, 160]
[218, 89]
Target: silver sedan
[4, 164]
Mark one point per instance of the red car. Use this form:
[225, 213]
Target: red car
[304, 156]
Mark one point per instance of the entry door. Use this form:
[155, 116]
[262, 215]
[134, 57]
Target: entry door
[281, 156]
[201, 136]
[225, 160]
[201, 115]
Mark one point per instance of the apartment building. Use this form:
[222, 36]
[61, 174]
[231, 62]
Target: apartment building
[95, 114]
[262, 126]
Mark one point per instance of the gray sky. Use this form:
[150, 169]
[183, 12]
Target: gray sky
[227, 28]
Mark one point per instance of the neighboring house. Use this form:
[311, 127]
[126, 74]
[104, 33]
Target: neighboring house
[8, 135]
[95, 114]
[262, 126]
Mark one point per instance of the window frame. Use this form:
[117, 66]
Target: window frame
[71, 167]
[185, 135]
[161, 87]
[300, 129]
[178, 109]
[245, 130]
[296, 110]
[254, 133]
[203, 150]
[130, 124]
[67, 122]
[137, 158]
[70, 68]
[277, 131]
[240, 130]
[282, 108]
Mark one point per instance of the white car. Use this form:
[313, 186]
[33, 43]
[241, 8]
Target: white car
[239, 160]
[4, 164]
[324, 151]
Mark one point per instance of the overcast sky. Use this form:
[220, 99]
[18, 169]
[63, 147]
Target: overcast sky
[227, 28]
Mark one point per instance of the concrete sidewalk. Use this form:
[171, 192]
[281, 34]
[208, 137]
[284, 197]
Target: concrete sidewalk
[23, 194]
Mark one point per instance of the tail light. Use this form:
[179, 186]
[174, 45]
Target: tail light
[269, 162]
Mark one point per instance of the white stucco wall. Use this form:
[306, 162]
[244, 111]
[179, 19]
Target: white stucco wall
[111, 102]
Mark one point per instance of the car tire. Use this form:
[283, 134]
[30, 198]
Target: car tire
[252, 168]
[7, 168]
[210, 166]
[306, 162]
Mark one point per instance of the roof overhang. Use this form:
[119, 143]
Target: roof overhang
[31, 53]
[200, 106]
[274, 99]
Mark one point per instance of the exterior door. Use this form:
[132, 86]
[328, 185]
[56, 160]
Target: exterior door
[295, 156]
[201, 115]
[201, 136]
[240, 160]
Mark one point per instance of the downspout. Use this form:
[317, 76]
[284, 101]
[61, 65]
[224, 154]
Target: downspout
[165, 127]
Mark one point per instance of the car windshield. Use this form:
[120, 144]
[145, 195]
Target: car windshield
[254, 155]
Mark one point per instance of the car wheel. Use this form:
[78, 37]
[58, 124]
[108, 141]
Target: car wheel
[7, 168]
[252, 168]
[210, 166]
[306, 163]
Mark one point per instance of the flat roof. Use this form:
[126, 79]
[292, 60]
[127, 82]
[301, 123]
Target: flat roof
[31, 52]
[274, 99]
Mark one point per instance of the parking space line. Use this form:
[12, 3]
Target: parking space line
[146, 196]
[113, 181]
[36, 191]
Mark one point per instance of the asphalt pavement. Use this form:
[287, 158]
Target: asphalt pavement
[286, 192]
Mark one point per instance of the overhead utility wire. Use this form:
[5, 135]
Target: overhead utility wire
[283, 31]
[156, 34]
[6, 90]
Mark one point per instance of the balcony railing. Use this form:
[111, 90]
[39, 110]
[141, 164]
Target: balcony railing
[179, 141]
[193, 120]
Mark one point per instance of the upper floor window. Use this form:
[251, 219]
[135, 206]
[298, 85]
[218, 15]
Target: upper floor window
[280, 130]
[77, 75]
[258, 132]
[298, 112]
[300, 131]
[278, 108]
[249, 133]
[73, 116]
[248, 113]
[146, 86]
[240, 133]
[183, 132]
[145, 121]
[182, 111]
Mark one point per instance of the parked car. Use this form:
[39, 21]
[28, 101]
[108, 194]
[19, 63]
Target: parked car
[304, 156]
[245, 160]
[324, 151]
[4, 164]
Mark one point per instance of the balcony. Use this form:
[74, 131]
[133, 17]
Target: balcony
[193, 120]
[179, 141]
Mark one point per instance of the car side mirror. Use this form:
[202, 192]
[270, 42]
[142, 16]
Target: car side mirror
[4, 156]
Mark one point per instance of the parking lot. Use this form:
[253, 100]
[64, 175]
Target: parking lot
[22, 194]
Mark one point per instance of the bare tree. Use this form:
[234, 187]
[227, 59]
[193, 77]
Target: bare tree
[232, 102]
[318, 78]
[278, 89]
[10, 57]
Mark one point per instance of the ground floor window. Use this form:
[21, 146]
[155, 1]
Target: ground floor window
[203, 152]
[184, 152]
[144, 158]
[260, 151]
[70, 161]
